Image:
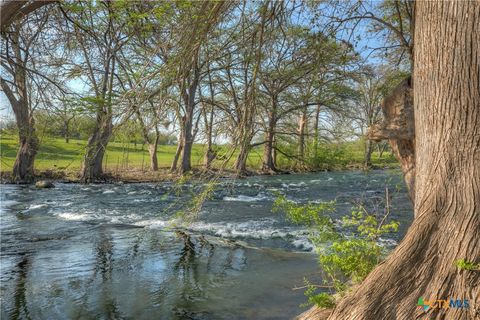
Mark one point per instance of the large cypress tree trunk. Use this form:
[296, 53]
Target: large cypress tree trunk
[447, 178]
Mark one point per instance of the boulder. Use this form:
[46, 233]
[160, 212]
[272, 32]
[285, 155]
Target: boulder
[44, 184]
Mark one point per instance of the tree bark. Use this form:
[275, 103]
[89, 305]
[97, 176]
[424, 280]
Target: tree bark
[186, 164]
[187, 143]
[189, 102]
[316, 131]
[446, 227]
[23, 168]
[152, 150]
[178, 152]
[302, 123]
[66, 131]
[210, 154]
[241, 160]
[11, 10]
[176, 157]
[97, 143]
[268, 165]
[368, 153]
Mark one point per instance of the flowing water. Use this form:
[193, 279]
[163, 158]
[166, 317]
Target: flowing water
[110, 251]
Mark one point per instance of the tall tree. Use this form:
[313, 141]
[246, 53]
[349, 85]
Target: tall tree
[446, 228]
[196, 22]
[245, 106]
[16, 82]
[99, 36]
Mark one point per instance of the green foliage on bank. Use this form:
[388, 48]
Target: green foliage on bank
[348, 249]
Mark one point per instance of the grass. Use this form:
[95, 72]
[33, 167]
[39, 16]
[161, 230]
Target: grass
[55, 153]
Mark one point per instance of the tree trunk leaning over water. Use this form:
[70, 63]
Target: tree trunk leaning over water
[446, 227]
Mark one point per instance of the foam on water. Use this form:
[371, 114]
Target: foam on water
[37, 206]
[263, 229]
[244, 198]
[72, 216]
[294, 185]
[154, 223]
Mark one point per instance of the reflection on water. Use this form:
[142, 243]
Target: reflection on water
[20, 311]
[104, 251]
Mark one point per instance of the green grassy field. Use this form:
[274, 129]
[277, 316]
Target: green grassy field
[55, 153]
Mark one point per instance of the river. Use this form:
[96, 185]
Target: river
[110, 251]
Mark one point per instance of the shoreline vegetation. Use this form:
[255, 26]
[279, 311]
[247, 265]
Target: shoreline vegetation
[129, 162]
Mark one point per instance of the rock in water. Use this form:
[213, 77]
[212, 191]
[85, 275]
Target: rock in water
[44, 184]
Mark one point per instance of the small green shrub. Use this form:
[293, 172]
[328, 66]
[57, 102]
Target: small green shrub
[329, 155]
[323, 299]
[463, 264]
[348, 250]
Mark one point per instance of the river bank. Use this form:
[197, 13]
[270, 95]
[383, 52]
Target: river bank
[135, 175]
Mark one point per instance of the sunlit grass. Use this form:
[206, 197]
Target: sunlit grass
[55, 153]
